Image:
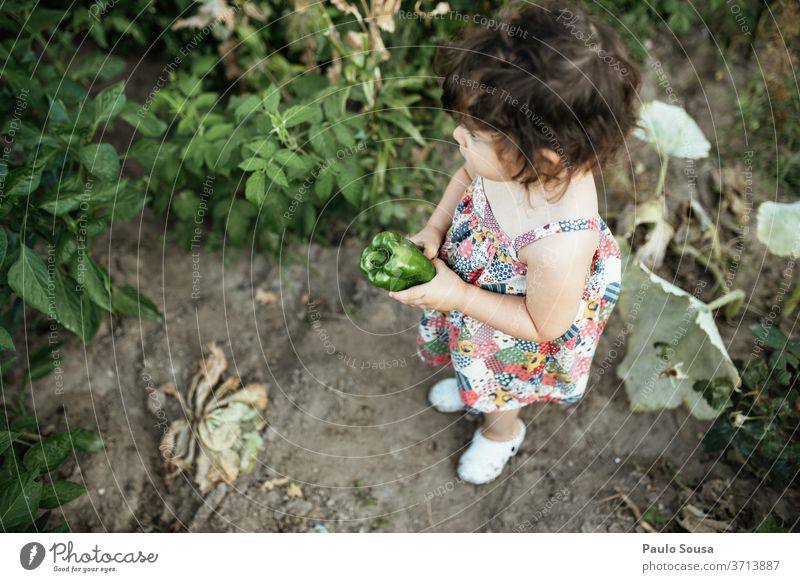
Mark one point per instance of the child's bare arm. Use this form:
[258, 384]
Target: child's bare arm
[443, 213]
[432, 235]
[557, 269]
[554, 282]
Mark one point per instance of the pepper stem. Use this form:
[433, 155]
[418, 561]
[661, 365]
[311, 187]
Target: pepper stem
[377, 258]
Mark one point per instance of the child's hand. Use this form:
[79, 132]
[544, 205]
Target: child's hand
[430, 239]
[444, 292]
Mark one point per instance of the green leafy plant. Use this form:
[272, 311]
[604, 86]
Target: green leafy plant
[760, 420]
[640, 21]
[59, 187]
[760, 118]
[672, 132]
[29, 489]
[298, 152]
[272, 168]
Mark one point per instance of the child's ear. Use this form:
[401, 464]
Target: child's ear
[552, 161]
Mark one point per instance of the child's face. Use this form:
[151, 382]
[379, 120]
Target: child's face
[479, 151]
[477, 148]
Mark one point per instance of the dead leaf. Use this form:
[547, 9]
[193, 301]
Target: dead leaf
[227, 52]
[274, 482]
[220, 433]
[348, 8]
[231, 384]
[216, 11]
[206, 376]
[652, 252]
[256, 13]
[265, 297]
[731, 184]
[293, 490]
[383, 12]
[355, 40]
[695, 520]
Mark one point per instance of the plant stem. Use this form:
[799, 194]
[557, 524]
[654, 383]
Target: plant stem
[708, 224]
[730, 297]
[791, 303]
[57, 64]
[706, 262]
[662, 180]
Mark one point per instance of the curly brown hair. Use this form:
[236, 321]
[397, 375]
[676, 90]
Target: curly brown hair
[543, 76]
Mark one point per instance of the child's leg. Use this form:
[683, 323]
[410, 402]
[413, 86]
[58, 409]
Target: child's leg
[501, 425]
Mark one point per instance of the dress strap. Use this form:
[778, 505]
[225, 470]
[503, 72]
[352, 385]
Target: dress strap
[566, 225]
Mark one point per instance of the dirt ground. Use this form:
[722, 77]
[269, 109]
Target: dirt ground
[348, 419]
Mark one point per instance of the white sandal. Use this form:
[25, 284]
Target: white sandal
[444, 396]
[484, 459]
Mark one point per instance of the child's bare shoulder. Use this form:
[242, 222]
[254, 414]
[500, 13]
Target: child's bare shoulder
[561, 250]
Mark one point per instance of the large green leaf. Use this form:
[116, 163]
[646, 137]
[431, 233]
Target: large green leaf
[323, 141]
[58, 493]
[53, 450]
[109, 103]
[255, 188]
[271, 98]
[350, 181]
[405, 124]
[59, 203]
[263, 148]
[101, 160]
[777, 227]
[292, 160]
[275, 174]
[323, 185]
[128, 301]
[93, 279]
[674, 343]
[66, 247]
[22, 181]
[48, 454]
[98, 65]
[52, 293]
[143, 120]
[247, 107]
[671, 131]
[6, 438]
[252, 164]
[297, 114]
[86, 440]
[28, 278]
[6, 343]
[19, 501]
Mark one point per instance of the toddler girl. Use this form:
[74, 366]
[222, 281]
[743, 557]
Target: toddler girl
[527, 270]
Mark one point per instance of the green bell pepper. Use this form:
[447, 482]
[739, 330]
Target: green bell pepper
[393, 262]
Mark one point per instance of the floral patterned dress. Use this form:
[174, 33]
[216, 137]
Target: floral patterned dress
[494, 370]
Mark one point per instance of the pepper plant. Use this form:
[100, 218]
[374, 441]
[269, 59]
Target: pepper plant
[29, 486]
[60, 184]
